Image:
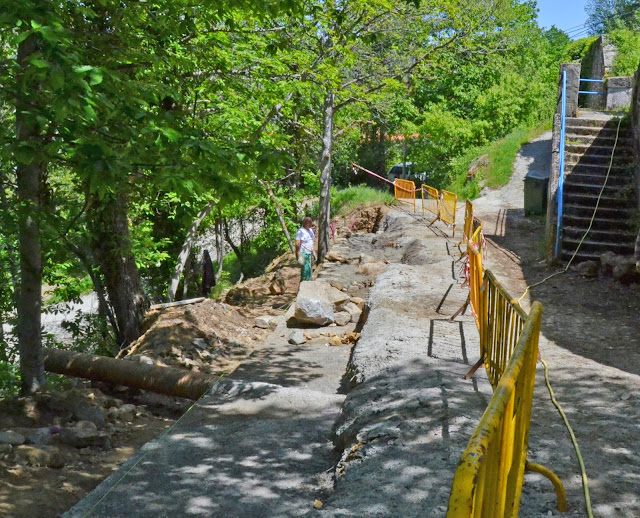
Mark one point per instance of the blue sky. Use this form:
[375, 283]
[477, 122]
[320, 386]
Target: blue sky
[566, 15]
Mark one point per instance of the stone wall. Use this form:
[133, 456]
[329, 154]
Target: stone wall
[597, 65]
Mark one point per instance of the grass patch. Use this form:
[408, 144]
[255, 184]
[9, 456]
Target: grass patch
[347, 200]
[499, 167]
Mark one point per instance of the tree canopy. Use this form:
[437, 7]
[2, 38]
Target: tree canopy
[127, 128]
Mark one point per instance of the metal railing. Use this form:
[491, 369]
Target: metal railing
[448, 202]
[501, 323]
[561, 151]
[488, 481]
[475, 276]
[560, 190]
[430, 200]
[404, 190]
[467, 228]
[589, 92]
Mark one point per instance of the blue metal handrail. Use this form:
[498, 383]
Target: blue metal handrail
[587, 92]
[563, 116]
[559, 192]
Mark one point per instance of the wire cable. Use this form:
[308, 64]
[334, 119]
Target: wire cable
[583, 469]
[593, 217]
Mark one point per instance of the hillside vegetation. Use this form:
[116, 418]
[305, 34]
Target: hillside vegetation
[130, 130]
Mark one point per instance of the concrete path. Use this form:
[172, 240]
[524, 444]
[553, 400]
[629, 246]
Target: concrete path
[278, 434]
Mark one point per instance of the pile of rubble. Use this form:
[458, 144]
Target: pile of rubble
[52, 428]
[324, 309]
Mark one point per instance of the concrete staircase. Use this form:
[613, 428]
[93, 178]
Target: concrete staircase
[588, 146]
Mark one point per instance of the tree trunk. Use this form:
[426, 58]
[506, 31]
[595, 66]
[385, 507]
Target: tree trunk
[29, 178]
[324, 230]
[98, 287]
[112, 248]
[236, 249]
[188, 266]
[186, 250]
[163, 380]
[276, 205]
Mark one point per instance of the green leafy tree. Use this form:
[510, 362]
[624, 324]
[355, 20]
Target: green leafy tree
[606, 15]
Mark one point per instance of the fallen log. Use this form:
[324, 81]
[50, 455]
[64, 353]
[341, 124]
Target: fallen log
[166, 305]
[163, 380]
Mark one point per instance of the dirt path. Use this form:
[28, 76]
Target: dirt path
[590, 341]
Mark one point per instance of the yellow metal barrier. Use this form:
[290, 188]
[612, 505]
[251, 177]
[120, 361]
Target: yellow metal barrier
[502, 322]
[430, 200]
[467, 230]
[488, 481]
[475, 276]
[448, 202]
[405, 190]
[502, 325]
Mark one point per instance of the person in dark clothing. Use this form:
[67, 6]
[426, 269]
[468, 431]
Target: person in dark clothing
[208, 276]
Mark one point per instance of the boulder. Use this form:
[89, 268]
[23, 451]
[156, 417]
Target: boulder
[621, 267]
[39, 436]
[343, 318]
[314, 305]
[84, 411]
[12, 438]
[84, 434]
[336, 296]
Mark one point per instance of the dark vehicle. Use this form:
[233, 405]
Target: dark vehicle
[410, 173]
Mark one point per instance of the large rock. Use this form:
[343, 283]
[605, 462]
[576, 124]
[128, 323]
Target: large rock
[316, 301]
[12, 438]
[84, 434]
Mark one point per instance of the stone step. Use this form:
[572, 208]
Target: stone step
[573, 209]
[589, 199]
[577, 158]
[599, 235]
[579, 185]
[623, 225]
[569, 244]
[621, 173]
[595, 131]
[599, 140]
[596, 123]
[593, 149]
